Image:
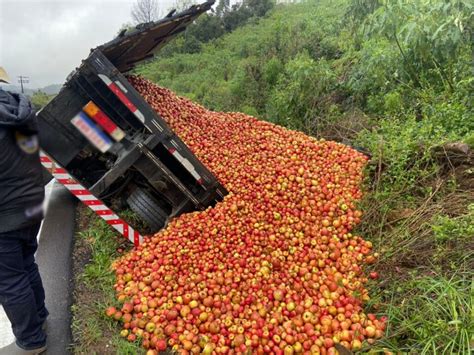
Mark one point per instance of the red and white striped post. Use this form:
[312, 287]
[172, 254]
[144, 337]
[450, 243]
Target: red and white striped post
[86, 197]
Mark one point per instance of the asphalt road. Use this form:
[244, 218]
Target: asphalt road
[54, 260]
[6, 335]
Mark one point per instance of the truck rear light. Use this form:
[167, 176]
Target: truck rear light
[93, 134]
[122, 97]
[94, 112]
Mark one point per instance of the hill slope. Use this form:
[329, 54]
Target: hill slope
[233, 72]
[397, 80]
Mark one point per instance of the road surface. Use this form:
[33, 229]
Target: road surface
[6, 335]
[54, 259]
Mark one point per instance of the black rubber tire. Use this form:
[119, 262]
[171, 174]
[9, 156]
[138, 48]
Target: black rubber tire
[145, 205]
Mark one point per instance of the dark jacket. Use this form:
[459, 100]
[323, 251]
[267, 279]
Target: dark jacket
[21, 181]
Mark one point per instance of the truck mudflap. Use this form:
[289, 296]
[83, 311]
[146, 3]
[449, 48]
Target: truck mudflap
[87, 198]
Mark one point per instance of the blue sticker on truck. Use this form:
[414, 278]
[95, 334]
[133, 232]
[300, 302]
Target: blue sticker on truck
[93, 133]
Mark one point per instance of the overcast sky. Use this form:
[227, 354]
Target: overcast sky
[46, 39]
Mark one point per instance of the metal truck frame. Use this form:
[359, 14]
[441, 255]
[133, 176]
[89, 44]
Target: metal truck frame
[112, 144]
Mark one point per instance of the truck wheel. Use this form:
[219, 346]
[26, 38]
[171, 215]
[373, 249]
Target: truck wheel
[146, 206]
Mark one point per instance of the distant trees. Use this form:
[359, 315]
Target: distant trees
[210, 26]
[228, 17]
[239, 13]
[222, 7]
[145, 11]
[207, 27]
[259, 7]
[39, 99]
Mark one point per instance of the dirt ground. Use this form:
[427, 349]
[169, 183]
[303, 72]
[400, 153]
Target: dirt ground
[85, 298]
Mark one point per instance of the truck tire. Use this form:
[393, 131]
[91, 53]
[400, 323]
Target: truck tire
[146, 206]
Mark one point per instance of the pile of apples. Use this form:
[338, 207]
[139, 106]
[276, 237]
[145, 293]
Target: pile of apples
[275, 267]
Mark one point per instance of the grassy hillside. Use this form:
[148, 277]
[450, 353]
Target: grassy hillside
[396, 79]
[233, 72]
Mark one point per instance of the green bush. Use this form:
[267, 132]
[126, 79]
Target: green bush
[303, 77]
[447, 229]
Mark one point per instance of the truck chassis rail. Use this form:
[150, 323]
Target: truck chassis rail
[87, 198]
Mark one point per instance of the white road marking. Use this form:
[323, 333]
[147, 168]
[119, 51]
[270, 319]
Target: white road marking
[6, 335]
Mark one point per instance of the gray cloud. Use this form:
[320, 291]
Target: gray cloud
[47, 39]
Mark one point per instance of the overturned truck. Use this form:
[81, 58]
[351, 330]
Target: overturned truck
[113, 147]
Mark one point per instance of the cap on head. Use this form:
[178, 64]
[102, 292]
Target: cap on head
[4, 76]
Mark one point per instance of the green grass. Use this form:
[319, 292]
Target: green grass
[92, 331]
[90, 334]
[430, 315]
[419, 214]
[427, 281]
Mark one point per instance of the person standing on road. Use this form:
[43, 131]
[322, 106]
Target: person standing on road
[21, 198]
